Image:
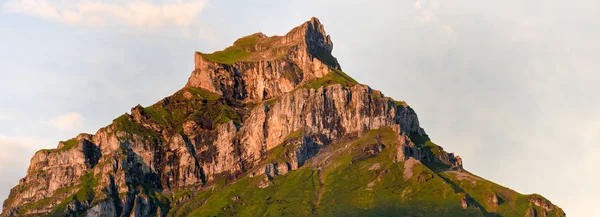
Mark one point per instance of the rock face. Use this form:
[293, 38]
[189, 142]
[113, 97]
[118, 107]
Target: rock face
[263, 109]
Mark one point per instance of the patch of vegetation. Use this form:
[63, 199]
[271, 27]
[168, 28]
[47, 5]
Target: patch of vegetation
[212, 113]
[433, 148]
[419, 139]
[171, 112]
[165, 117]
[272, 101]
[125, 124]
[400, 103]
[227, 56]
[240, 50]
[86, 188]
[208, 109]
[159, 199]
[84, 192]
[203, 94]
[248, 42]
[333, 77]
[159, 114]
[291, 195]
[294, 135]
[36, 205]
[181, 194]
[279, 153]
[69, 144]
[511, 203]
[197, 200]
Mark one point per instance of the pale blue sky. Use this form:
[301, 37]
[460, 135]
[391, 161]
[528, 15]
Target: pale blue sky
[511, 86]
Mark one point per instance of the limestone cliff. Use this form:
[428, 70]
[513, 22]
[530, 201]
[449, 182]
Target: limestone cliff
[252, 120]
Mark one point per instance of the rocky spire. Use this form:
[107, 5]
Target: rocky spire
[258, 67]
[317, 43]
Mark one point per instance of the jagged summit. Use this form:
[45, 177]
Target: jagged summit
[310, 37]
[258, 67]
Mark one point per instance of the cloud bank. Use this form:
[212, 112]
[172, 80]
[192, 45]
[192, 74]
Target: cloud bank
[86, 13]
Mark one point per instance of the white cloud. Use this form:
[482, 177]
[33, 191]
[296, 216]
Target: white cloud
[427, 15]
[6, 118]
[87, 13]
[68, 121]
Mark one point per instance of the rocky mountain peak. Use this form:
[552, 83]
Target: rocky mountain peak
[269, 126]
[258, 67]
[310, 37]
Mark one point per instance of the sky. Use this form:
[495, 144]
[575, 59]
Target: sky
[510, 86]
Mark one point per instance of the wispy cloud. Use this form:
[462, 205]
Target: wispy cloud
[87, 13]
[6, 118]
[427, 15]
[68, 121]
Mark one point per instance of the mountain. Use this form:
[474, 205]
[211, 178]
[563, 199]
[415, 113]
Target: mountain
[270, 126]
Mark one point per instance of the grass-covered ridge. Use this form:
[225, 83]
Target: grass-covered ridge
[69, 144]
[227, 56]
[333, 77]
[240, 49]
